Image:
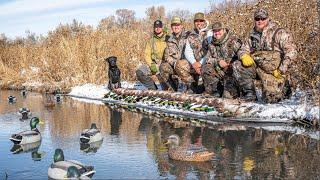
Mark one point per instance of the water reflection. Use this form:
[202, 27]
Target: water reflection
[32, 148]
[90, 147]
[134, 143]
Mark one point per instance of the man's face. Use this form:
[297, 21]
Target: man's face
[261, 23]
[176, 28]
[199, 24]
[218, 33]
[158, 30]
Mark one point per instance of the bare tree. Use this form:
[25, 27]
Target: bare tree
[125, 17]
[153, 13]
[107, 23]
[185, 15]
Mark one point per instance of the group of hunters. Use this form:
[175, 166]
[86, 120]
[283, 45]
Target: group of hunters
[227, 66]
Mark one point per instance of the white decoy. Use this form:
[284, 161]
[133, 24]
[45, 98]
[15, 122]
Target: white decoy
[29, 136]
[91, 135]
[65, 169]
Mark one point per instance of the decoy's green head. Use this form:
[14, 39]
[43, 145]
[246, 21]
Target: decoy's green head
[58, 155]
[73, 172]
[33, 122]
[94, 126]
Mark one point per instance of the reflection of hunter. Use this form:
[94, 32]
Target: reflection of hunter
[153, 56]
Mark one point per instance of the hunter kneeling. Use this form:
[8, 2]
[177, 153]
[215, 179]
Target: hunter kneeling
[266, 55]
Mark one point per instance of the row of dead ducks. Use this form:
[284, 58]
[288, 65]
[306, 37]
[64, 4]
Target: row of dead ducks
[161, 102]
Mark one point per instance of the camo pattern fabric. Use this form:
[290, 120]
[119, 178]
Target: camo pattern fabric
[226, 49]
[268, 45]
[174, 56]
[175, 48]
[195, 40]
[283, 43]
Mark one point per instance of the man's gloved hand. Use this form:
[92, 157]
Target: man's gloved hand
[153, 68]
[277, 74]
[197, 67]
[247, 60]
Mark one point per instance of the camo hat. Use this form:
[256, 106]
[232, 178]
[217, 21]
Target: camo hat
[199, 16]
[261, 13]
[176, 20]
[217, 25]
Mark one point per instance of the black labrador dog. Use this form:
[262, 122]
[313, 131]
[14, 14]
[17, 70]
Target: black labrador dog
[113, 73]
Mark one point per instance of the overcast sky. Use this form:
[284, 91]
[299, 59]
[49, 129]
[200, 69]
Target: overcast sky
[40, 16]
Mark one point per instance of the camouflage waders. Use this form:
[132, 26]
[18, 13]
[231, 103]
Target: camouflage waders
[266, 63]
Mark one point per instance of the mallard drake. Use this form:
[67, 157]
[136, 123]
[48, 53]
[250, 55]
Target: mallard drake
[187, 153]
[62, 169]
[29, 136]
[11, 99]
[25, 113]
[91, 135]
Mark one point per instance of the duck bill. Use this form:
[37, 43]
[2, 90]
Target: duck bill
[41, 121]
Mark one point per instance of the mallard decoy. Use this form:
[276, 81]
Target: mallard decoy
[91, 135]
[12, 99]
[61, 168]
[29, 136]
[191, 152]
[25, 113]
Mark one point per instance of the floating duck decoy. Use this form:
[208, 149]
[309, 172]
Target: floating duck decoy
[12, 99]
[191, 152]
[29, 136]
[61, 168]
[25, 113]
[91, 135]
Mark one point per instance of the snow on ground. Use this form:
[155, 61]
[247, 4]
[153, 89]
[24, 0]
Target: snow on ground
[297, 107]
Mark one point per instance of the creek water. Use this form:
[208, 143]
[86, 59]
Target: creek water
[133, 145]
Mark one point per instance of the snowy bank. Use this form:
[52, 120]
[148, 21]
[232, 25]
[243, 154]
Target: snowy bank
[297, 107]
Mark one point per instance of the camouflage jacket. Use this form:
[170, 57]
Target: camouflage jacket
[195, 40]
[176, 46]
[225, 49]
[283, 43]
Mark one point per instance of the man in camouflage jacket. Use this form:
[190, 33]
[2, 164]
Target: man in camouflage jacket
[178, 71]
[266, 55]
[220, 52]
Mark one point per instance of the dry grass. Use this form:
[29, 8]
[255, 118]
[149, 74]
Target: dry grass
[73, 54]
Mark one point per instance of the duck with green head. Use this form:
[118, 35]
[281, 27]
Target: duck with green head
[91, 135]
[191, 152]
[64, 169]
[29, 136]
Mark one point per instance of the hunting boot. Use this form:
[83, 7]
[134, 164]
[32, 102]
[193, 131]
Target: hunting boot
[147, 81]
[249, 92]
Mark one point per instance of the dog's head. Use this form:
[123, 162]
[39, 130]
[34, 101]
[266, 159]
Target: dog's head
[112, 60]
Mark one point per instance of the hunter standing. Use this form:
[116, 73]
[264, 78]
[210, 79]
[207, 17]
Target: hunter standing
[221, 51]
[153, 56]
[266, 55]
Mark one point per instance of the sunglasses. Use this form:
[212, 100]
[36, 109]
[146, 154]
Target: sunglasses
[258, 19]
